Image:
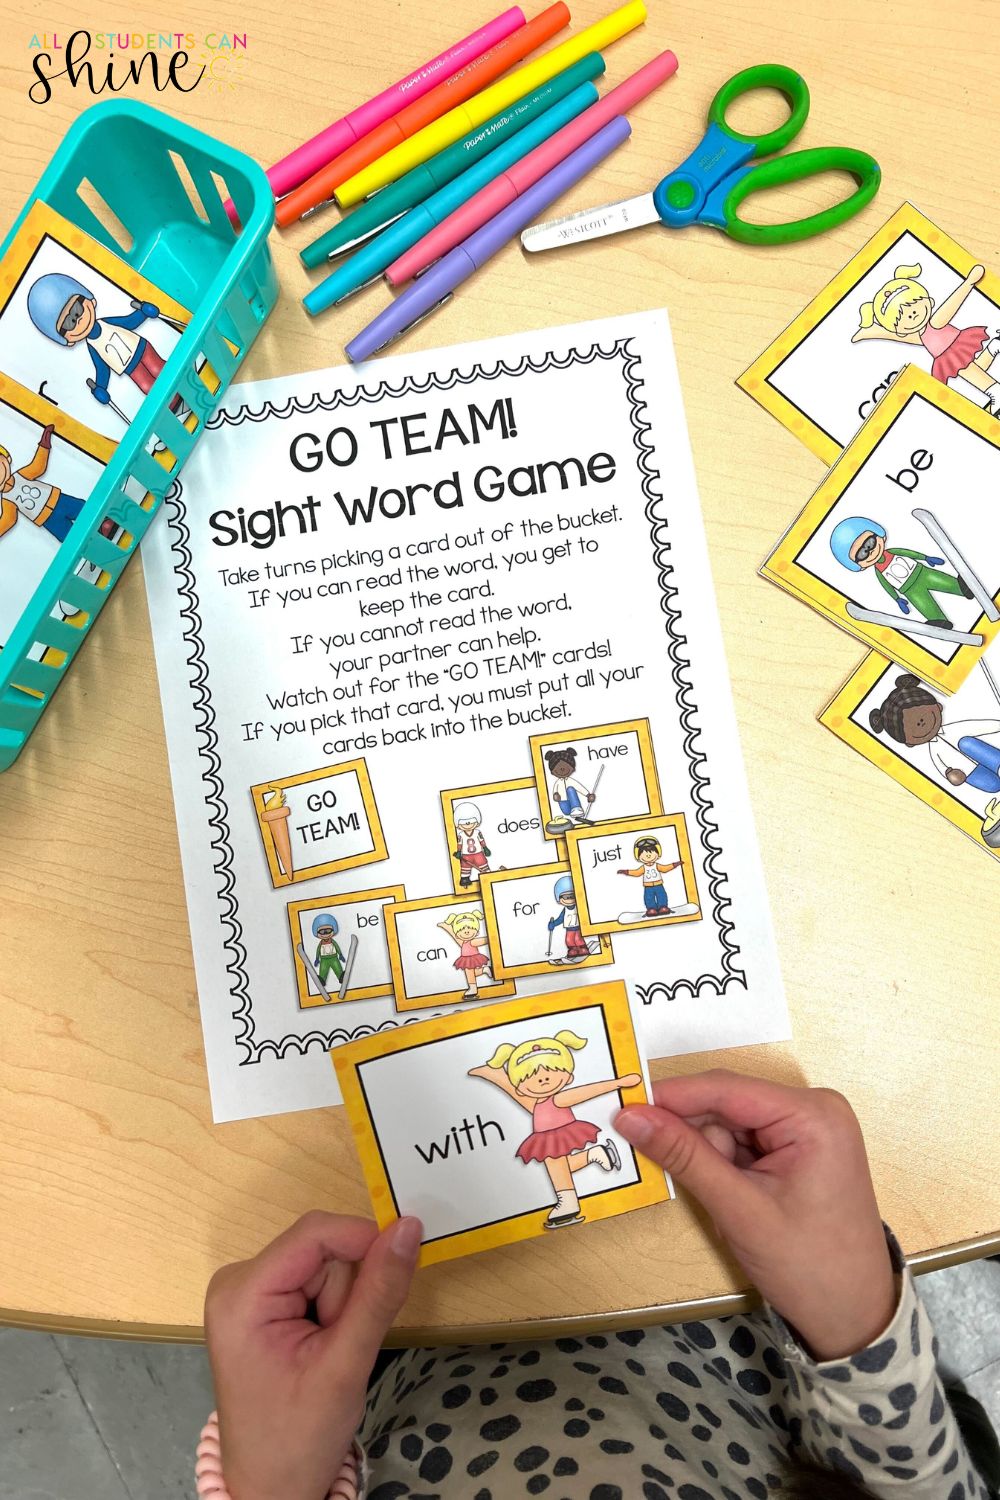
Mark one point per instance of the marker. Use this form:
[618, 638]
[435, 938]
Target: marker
[504, 188]
[437, 285]
[368, 263]
[309, 157]
[443, 132]
[317, 190]
[368, 218]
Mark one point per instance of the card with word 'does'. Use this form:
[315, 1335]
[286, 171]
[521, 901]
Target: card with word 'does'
[496, 1124]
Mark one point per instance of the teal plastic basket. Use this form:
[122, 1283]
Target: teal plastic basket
[129, 153]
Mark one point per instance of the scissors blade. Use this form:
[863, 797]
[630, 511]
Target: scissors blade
[591, 223]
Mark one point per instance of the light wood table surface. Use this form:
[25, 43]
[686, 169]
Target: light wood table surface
[118, 1197]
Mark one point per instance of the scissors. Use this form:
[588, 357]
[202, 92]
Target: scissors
[710, 185]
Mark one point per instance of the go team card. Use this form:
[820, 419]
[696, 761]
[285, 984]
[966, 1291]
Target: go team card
[900, 545]
[948, 754]
[910, 296]
[493, 1125]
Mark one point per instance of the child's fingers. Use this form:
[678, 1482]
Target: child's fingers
[332, 1294]
[734, 1098]
[296, 1257]
[379, 1291]
[686, 1154]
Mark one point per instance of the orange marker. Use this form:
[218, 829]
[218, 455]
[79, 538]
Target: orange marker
[318, 189]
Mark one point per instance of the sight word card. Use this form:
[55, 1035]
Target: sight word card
[910, 296]
[447, 708]
[944, 750]
[899, 544]
[495, 1125]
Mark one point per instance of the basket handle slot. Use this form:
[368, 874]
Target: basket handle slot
[104, 218]
[188, 184]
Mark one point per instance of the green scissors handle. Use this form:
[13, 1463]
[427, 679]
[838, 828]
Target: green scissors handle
[710, 185]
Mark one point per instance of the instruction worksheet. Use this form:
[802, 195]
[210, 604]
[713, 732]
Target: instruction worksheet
[447, 708]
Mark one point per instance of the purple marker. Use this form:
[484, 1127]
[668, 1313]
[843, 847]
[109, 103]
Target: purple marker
[439, 280]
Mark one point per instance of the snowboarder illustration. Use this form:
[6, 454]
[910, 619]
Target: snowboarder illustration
[568, 918]
[647, 851]
[569, 794]
[463, 927]
[912, 579]
[965, 752]
[64, 311]
[24, 492]
[471, 850]
[904, 312]
[536, 1075]
[329, 956]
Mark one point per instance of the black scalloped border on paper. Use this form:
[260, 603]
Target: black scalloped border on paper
[255, 1048]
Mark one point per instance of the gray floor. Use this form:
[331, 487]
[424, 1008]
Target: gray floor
[85, 1419]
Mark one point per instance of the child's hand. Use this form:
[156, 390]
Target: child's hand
[291, 1391]
[784, 1175]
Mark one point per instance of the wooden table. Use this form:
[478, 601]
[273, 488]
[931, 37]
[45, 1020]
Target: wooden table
[118, 1197]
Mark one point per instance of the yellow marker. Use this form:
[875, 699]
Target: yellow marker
[469, 116]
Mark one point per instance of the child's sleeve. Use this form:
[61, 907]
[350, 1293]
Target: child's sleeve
[881, 1416]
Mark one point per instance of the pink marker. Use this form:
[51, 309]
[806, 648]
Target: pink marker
[314, 154]
[496, 195]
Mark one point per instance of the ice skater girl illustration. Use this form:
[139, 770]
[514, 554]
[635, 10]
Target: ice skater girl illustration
[569, 794]
[463, 927]
[536, 1074]
[471, 852]
[913, 716]
[903, 310]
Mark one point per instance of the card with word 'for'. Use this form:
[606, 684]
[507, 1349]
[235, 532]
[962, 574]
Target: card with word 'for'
[447, 708]
[495, 1124]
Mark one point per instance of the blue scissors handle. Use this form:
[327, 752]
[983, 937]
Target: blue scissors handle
[708, 187]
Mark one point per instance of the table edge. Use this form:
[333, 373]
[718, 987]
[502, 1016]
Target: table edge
[515, 1331]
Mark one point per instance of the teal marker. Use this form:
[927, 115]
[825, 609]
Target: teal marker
[418, 184]
[371, 260]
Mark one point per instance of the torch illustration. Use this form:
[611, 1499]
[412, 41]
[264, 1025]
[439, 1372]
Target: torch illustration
[275, 818]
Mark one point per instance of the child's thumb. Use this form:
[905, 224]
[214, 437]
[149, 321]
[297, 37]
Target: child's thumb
[379, 1291]
[684, 1152]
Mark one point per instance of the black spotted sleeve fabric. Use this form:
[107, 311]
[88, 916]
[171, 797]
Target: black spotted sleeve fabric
[700, 1411]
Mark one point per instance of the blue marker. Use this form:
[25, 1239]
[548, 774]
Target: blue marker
[368, 263]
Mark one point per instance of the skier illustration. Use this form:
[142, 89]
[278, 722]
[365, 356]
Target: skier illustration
[912, 579]
[535, 1074]
[568, 918]
[64, 311]
[329, 956]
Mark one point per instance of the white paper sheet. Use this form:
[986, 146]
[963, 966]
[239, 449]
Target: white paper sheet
[594, 411]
